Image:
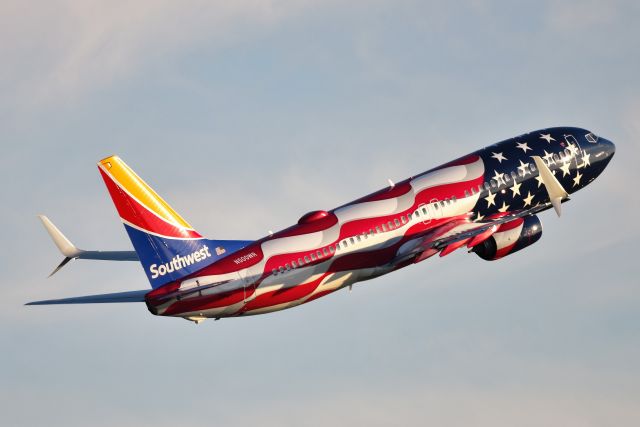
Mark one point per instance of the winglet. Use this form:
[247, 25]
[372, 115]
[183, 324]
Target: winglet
[555, 190]
[65, 246]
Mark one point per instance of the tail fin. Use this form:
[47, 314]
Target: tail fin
[168, 247]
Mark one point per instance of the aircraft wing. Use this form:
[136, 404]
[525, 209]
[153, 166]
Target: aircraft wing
[130, 296]
[452, 232]
[463, 229]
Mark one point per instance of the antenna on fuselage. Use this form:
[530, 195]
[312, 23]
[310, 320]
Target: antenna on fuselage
[391, 184]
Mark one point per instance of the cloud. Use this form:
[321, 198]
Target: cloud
[62, 49]
[569, 16]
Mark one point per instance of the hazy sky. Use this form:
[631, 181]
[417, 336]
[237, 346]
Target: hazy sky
[246, 114]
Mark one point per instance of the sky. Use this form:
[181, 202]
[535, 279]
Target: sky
[244, 115]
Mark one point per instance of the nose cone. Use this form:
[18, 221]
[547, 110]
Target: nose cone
[603, 152]
[608, 147]
[599, 155]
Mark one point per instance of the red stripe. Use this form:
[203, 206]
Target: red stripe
[138, 215]
[511, 224]
[282, 296]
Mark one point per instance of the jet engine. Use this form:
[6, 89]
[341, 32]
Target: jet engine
[509, 238]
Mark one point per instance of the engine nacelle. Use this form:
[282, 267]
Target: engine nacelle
[510, 237]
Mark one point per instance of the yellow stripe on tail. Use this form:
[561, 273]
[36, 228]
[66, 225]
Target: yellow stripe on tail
[128, 180]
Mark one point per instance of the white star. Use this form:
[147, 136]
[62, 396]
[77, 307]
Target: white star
[498, 177]
[585, 159]
[540, 182]
[478, 217]
[574, 150]
[498, 156]
[528, 199]
[565, 169]
[547, 137]
[524, 168]
[549, 158]
[576, 180]
[523, 146]
[490, 199]
[504, 208]
[515, 188]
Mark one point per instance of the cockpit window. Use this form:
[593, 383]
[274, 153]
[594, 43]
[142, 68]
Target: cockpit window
[592, 138]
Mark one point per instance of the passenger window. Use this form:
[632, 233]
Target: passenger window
[494, 184]
[274, 271]
[287, 266]
[353, 242]
[396, 222]
[319, 254]
[532, 167]
[473, 190]
[466, 193]
[331, 249]
[424, 211]
[306, 259]
[567, 152]
[384, 227]
[358, 238]
[556, 157]
[514, 176]
[409, 217]
[417, 213]
[281, 269]
[294, 264]
[453, 199]
[313, 256]
[390, 224]
[378, 230]
[507, 178]
[371, 233]
[486, 186]
[403, 219]
[300, 263]
[325, 251]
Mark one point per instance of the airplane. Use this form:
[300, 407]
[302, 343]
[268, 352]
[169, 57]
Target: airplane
[486, 202]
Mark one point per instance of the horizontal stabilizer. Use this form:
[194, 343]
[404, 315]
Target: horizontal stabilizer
[130, 296]
[109, 255]
[70, 251]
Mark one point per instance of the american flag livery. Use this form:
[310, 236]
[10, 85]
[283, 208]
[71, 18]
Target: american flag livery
[486, 202]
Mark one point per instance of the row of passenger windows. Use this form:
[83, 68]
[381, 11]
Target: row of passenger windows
[351, 241]
[492, 185]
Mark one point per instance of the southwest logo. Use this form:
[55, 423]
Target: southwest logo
[179, 262]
